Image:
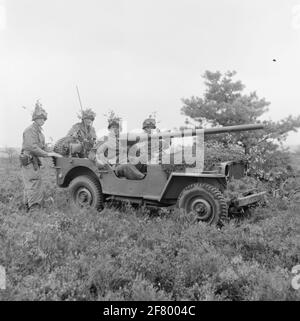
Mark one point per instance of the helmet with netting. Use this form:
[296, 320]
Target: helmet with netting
[39, 111]
[149, 123]
[88, 114]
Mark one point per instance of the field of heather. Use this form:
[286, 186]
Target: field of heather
[131, 254]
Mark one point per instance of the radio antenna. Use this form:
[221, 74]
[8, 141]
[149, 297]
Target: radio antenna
[81, 109]
[79, 98]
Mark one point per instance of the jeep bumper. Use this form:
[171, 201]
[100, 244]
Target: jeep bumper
[249, 199]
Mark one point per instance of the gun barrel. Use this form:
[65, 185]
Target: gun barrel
[236, 128]
[192, 132]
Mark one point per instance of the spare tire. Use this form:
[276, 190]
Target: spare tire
[62, 146]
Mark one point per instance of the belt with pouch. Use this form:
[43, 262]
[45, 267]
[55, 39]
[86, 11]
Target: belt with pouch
[26, 159]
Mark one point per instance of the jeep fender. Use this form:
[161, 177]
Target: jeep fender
[178, 181]
[69, 168]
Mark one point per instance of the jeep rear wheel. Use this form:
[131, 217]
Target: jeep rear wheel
[205, 201]
[85, 191]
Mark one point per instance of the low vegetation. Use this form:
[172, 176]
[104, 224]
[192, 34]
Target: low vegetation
[132, 254]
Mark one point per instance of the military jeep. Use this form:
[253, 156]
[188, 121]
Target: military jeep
[197, 192]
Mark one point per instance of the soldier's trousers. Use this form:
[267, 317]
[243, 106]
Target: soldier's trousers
[129, 171]
[33, 191]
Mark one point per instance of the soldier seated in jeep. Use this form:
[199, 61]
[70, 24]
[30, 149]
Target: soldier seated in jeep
[148, 151]
[109, 153]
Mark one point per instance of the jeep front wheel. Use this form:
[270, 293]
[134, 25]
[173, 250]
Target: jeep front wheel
[205, 201]
[85, 191]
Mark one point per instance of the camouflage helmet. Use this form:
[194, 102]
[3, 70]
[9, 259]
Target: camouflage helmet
[149, 123]
[88, 114]
[39, 111]
[113, 120]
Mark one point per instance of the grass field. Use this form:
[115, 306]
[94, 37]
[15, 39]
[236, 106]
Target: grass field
[127, 254]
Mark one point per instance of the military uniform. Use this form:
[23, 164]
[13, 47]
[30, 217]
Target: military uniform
[151, 150]
[109, 152]
[33, 148]
[118, 159]
[84, 133]
[81, 132]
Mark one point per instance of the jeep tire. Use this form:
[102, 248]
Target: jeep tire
[205, 201]
[85, 191]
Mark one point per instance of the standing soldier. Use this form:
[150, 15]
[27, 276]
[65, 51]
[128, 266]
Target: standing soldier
[83, 131]
[34, 147]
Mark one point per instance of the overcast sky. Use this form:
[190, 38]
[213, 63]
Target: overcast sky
[139, 56]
